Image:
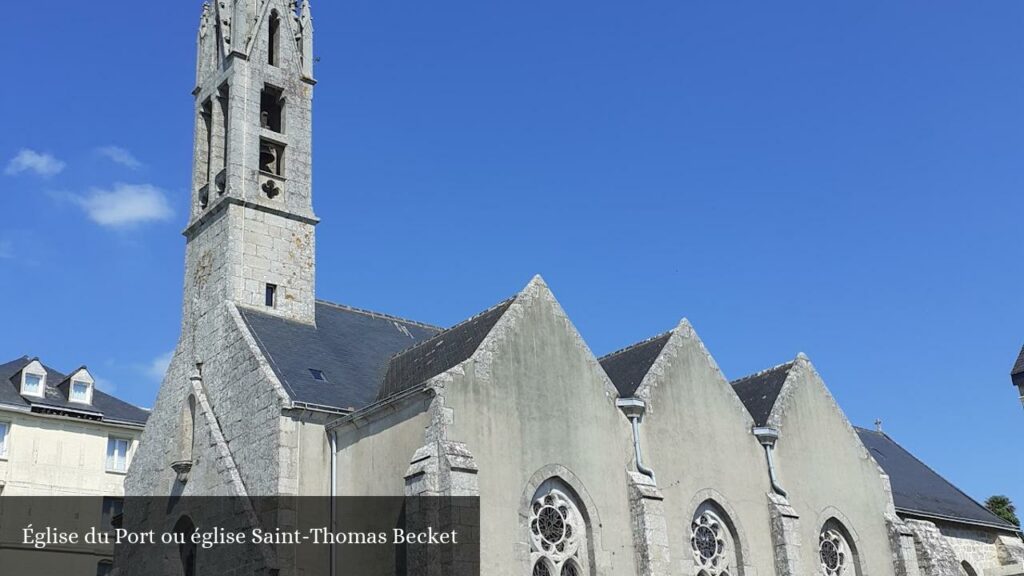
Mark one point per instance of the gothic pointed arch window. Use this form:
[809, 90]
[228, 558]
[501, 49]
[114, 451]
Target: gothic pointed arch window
[837, 553]
[713, 542]
[187, 550]
[558, 531]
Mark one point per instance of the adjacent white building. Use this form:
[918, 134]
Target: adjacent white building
[60, 436]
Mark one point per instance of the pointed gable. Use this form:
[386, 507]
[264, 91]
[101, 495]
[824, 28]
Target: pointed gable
[759, 391]
[628, 367]
[1017, 373]
[441, 352]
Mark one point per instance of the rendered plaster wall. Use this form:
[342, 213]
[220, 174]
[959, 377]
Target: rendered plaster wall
[696, 436]
[48, 456]
[532, 404]
[828, 473]
[373, 457]
[313, 456]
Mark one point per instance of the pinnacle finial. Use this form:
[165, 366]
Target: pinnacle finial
[306, 43]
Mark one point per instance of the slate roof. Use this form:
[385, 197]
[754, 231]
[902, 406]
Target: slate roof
[351, 347]
[441, 352]
[627, 367]
[104, 407]
[759, 391]
[917, 490]
[1017, 374]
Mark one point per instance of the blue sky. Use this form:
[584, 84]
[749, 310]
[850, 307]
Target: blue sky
[842, 180]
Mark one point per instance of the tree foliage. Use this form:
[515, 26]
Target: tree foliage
[1002, 506]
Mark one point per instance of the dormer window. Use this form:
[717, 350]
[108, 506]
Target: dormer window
[33, 380]
[79, 386]
[80, 391]
[33, 385]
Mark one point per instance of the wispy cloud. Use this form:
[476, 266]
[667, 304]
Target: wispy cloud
[120, 156]
[40, 163]
[105, 385]
[6, 249]
[158, 366]
[124, 205]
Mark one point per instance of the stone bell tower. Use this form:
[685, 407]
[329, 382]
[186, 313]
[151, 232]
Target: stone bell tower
[250, 237]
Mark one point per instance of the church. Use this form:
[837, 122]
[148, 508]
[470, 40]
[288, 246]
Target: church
[644, 462]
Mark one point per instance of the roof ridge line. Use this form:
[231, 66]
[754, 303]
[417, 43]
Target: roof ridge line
[453, 327]
[635, 345]
[382, 315]
[762, 372]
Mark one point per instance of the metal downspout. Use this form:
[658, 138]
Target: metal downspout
[333, 434]
[767, 438]
[634, 409]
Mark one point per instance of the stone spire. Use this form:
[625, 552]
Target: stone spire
[231, 27]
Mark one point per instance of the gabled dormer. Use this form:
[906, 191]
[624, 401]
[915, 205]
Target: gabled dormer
[78, 386]
[33, 379]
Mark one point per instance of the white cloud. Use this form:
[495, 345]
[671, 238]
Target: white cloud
[158, 367]
[6, 249]
[29, 160]
[125, 205]
[105, 385]
[120, 156]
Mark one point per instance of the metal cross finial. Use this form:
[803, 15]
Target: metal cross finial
[878, 424]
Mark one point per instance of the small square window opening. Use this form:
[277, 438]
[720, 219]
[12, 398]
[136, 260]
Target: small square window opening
[270, 298]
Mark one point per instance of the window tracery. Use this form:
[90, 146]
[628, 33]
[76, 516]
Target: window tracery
[709, 544]
[558, 542]
[833, 551]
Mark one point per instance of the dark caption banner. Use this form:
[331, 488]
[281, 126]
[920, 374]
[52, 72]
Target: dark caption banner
[193, 536]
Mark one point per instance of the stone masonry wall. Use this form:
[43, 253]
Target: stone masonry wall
[978, 547]
[267, 236]
[935, 556]
[245, 409]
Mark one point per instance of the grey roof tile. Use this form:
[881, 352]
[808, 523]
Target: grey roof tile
[10, 392]
[104, 406]
[442, 352]
[759, 391]
[919, 490]
[351, 347]
[627, 367]
[1017, 374]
